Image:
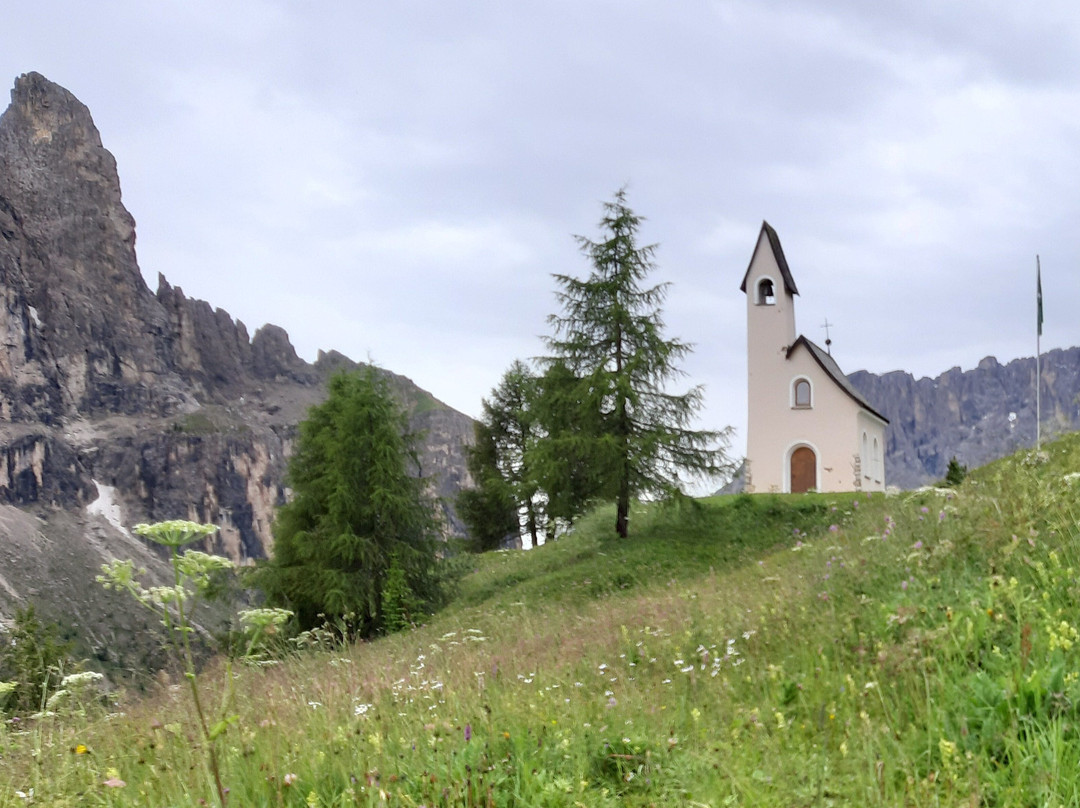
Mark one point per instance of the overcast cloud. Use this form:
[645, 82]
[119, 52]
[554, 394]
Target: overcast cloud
[399, 179]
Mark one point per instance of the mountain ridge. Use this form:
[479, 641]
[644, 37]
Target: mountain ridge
[161, 398]
[976, 415]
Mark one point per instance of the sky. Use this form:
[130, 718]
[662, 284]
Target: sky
[399, 180]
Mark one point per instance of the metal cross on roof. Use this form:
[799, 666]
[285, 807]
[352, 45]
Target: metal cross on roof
[828, 342]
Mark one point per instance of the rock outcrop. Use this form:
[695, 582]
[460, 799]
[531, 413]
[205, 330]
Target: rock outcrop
[162, 399]
[976, 415]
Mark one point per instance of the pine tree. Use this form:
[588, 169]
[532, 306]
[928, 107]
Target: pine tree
[955, 473]
[610, 337]
[359, 507]
[488, 508]
[569, 461]
[506, 434]
[511, 414]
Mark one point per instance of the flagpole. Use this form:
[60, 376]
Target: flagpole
[1038, 354]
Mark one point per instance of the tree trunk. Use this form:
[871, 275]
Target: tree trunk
[622, 509]
[530, 522]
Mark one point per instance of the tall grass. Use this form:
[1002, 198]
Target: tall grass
[922, 649]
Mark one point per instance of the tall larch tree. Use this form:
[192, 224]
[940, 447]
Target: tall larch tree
[610, 336]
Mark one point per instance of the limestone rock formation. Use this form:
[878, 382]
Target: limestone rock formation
[163, 401]
[977, 415]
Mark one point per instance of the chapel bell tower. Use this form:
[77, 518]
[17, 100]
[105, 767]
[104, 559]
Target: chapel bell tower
[770, 333]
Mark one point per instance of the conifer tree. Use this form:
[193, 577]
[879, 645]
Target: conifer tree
[955, 472]
[511, 414]
[569, 462]
[610, 337]
[488, 508]
[359, 508]
[506, 434]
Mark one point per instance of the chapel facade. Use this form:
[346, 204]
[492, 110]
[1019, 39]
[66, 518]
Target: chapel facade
[808, 429]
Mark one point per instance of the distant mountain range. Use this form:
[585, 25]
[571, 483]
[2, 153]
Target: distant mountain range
[976, 415]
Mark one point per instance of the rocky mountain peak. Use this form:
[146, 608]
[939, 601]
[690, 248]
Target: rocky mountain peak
[80, 320]
[156, 402]
[77, 314]
[46, 124]
[59, 176]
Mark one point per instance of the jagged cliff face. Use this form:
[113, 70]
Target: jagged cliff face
[976, 415]
[162, 399]
[81, 333]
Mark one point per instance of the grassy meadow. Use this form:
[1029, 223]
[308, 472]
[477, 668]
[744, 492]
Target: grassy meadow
[921, 649]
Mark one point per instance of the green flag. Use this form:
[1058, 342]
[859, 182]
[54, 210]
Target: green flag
[1038, 294]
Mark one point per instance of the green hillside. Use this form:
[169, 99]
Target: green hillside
[918, 649]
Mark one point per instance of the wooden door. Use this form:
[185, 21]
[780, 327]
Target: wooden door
[803, 470]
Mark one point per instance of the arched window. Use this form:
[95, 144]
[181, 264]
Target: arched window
[766, 293]
[877, 462]
[864, 458]
[802, 394]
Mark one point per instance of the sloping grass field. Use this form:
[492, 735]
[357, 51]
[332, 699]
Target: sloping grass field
[921, 649]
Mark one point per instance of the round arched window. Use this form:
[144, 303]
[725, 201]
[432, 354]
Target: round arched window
[803, 393]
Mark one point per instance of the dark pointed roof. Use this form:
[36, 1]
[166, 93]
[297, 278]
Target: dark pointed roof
[828, 364]
[778, 254]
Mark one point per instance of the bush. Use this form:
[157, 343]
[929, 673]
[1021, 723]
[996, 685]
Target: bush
[955, 473]
[32, 660]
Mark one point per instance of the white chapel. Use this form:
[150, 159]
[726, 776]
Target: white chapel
[808, 428]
